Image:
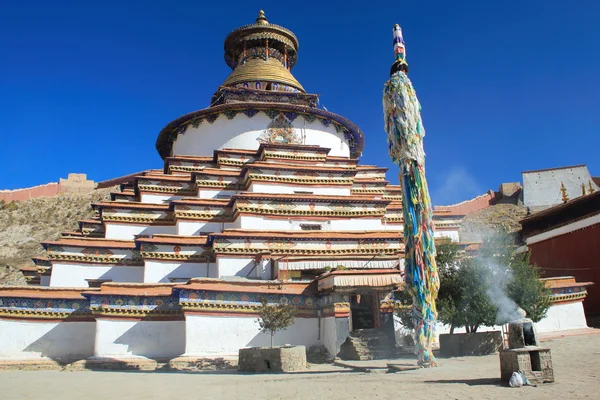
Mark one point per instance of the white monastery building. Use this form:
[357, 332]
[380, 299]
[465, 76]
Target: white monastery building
[261, 196]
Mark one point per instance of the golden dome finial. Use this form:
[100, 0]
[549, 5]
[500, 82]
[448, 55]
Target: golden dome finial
[261, 19]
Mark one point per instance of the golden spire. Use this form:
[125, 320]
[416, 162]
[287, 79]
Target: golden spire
[591, 188]
[261, 19]
[563, 190]
[583, 193]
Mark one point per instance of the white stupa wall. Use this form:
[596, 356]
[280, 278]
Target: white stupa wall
[243, 267]
[280, 188]
[216, 193]
[282, 223]
[158, 198]
[194, 228]
[562, 317]
[242, 132]
[75, 275]
[40, 339]
[236, 332]
[129, 338]
[128, 231]
[156, 271]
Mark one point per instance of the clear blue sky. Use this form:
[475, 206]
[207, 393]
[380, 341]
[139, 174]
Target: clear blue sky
[506, 86]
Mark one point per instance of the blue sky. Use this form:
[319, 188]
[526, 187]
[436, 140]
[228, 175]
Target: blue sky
[506, 86]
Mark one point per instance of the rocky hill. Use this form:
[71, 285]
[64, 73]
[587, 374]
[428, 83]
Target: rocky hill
[493, 218]
[23, 225]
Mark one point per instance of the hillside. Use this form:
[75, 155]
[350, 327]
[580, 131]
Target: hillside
[23, 225]
[499, 216]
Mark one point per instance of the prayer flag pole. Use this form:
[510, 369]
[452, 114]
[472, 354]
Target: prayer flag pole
[404, 127]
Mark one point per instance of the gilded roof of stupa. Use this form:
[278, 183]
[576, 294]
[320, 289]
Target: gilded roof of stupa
[261, 52]
[257, 69]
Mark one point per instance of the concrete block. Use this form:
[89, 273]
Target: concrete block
[470, 344]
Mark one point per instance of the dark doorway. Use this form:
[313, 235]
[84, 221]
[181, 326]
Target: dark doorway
[361, 309]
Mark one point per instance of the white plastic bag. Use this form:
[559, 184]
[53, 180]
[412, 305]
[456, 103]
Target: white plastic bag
[516, 380]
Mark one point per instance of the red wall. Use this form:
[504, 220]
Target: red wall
[47, 190]
[470, 206]
[576, 254]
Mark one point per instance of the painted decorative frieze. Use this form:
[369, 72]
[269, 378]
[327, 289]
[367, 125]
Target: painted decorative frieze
[94, 254]
[242, 302]
[123, 305]
[313, 246]
[137, 216]
[167, 186]
[44, 308]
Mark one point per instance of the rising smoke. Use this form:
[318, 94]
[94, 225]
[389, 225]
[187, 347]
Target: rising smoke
[494, 260]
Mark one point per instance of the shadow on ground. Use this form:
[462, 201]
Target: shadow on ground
[471, 382]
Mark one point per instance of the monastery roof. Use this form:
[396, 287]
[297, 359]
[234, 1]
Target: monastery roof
[133, 289]
[564, 282]
[129, 193]
[191, 158]
[91, 221]
[370, 180]
[341, 158]
[248, 286]
[359, 272]
[371, 168]
[71, 233]
[312, 197]
[296, 167]
[315, 148]
[241, 152]
[175, 239]
[93, 242]
[217, 171]
[131, 205]
[201, 202]
[335, 235]
[163, 177]
[44, 292]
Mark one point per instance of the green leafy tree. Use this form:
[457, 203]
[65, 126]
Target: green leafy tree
[526, 288]
[476, 291]
[273, 318]
[462, 299]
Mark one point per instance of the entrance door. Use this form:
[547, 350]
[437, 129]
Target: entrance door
[362, 308]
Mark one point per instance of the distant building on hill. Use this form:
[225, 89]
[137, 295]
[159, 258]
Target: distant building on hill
[545, 188]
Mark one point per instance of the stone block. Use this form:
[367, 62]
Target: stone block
[534, 362]
[275, 359]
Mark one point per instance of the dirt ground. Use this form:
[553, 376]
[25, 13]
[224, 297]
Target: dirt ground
[576, 368]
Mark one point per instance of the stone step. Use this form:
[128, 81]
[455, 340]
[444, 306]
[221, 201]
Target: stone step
[373, 341]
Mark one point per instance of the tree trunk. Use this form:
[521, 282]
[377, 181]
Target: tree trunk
[474, 330]
[272, 334]
[451, 328]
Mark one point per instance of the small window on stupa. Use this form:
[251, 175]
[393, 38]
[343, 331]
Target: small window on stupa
[311, 227]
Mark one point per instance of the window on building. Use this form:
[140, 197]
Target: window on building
[311, 227]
